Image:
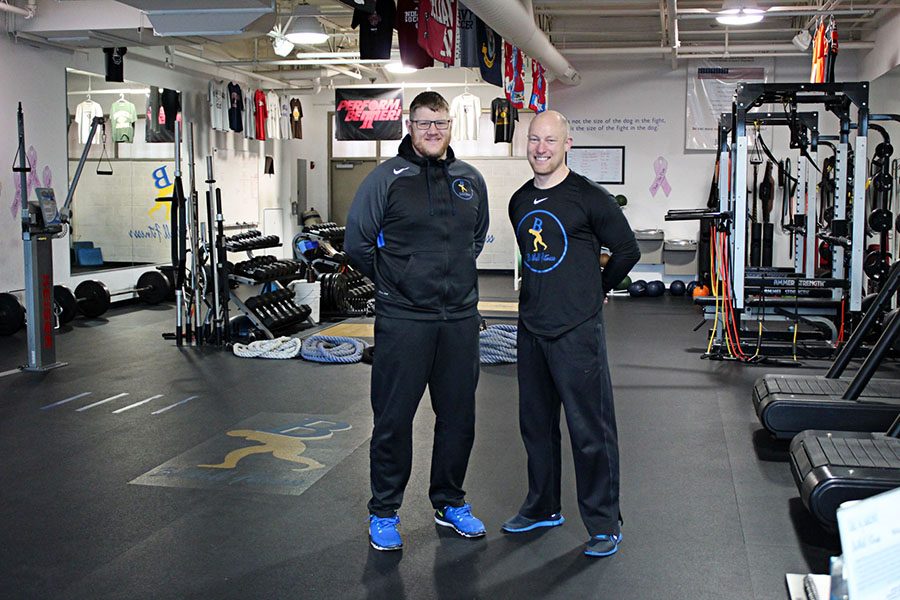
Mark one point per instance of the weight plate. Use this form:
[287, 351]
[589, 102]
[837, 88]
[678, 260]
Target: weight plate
[880, 220]
[12, 314]
[65, 302]
[153, 287]
[92, 297]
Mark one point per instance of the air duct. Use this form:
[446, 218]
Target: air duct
[511, 20]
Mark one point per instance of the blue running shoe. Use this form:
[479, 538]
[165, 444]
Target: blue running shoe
[461, 520]
[603, 544]
[521, 524]
[383, 534]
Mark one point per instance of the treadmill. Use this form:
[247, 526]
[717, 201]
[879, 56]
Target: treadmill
[789, 404]
[830, 468]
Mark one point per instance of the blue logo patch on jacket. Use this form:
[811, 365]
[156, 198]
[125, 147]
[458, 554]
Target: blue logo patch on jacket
[463, 188]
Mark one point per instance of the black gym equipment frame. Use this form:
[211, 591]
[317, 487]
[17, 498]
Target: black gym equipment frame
[789, 404]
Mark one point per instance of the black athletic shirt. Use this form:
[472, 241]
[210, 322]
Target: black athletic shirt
[235, 107]
[171, 103]
[504, 115]
[559, 232]
[115, 63]
[376, 30]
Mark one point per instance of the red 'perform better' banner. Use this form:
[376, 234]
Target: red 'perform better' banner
[369, 114]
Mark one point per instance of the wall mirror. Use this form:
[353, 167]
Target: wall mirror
[120, 220]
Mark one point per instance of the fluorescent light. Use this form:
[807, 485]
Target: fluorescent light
[740, 16]
[399, 68]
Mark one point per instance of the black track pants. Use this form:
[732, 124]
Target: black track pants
[571, 370]
[410, 355]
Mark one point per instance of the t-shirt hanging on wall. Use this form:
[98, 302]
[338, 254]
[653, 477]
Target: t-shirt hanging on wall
[171, 104]
[218, 112]
[273, 113]
[115, 63]
[490, 48]
[123, 115]
[465, 110]
[259, 101]
[84, 115]
[467, 49]
[538, 102]
[235, 107]
[296, 119]
[375, 30]
[284, 117]
[514, 75]
[249, 115]
[504, 116]
[154, 125]
[411, 53]
[437, 29]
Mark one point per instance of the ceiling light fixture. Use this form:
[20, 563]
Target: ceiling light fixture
[802, 40]
[399, 68]
[280, 44]
[306, 30]
[738, 12]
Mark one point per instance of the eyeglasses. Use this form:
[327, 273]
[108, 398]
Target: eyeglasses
[425, 124]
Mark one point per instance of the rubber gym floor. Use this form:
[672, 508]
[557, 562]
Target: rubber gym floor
[115, 483]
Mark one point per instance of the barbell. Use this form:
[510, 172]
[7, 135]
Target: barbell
[92, 298]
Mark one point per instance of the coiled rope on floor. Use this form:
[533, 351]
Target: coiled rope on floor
[332, 349]
[283, 347]
[498, 344]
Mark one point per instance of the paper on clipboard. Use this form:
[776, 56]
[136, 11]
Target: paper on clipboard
[870, 538]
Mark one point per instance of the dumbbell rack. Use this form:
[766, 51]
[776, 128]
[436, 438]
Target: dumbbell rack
[273, 310]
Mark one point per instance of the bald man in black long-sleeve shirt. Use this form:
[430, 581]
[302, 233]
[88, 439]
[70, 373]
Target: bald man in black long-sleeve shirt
[561, 220]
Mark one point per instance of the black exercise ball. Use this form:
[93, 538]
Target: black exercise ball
[638, 289]
[689, 288]
[677, 288]
[656, 289]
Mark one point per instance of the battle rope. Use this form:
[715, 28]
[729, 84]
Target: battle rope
[332, 349]
[498, 344]
[283, 347]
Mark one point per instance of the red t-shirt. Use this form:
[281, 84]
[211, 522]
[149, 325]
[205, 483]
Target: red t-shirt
[437, 29]
[514, 75]
[407, 20]
[259, 99]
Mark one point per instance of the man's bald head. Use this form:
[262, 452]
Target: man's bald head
[551, 118]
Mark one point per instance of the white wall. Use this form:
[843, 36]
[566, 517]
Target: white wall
[886, 54]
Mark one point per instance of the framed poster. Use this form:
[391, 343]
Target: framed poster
[602, 164]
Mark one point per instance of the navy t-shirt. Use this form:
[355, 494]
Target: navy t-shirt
[376, 30]
[559, 232]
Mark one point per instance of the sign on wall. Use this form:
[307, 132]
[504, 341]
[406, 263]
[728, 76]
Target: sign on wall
[369, 114]
[710, 92]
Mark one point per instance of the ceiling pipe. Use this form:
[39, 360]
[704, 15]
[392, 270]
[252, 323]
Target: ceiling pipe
[244, 72]
[27, 12]
[691, 51]
[511, 21]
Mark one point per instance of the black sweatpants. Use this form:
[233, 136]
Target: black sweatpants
[409, 355]
[571, 370]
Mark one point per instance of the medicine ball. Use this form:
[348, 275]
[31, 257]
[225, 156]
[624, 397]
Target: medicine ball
[623, 285]
[700, 290]
[243, 330]
[677, 288]
[621, 200]
[638, 289]
[689, 289]
[656, 289]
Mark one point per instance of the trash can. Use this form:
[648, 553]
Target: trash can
[650, 241]
[680, 257]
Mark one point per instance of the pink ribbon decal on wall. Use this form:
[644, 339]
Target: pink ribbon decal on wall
[660, 166]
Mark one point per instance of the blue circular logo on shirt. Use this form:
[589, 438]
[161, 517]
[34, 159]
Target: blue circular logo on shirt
[542, 241]
[463, 188]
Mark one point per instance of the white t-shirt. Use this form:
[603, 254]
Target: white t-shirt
[218, 106]
[84, 115]
[284, 118]
[273, 116]
[465, 110]
[249, 114]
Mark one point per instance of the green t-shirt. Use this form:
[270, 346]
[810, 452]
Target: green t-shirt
[122, 115]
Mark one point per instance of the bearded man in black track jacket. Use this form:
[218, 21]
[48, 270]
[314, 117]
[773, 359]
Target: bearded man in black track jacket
[416, 226]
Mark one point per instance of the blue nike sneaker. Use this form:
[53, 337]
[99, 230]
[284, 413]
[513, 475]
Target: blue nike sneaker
[383, 534]
[461, 520]
[521, 524]
[603, 544]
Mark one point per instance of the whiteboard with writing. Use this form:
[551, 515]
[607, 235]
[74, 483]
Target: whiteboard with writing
[603, 164]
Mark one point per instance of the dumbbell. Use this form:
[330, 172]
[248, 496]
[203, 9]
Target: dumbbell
[92, 298]
[259, 306]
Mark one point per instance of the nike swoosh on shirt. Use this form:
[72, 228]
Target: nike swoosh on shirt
[540, 200]
[398, 171]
